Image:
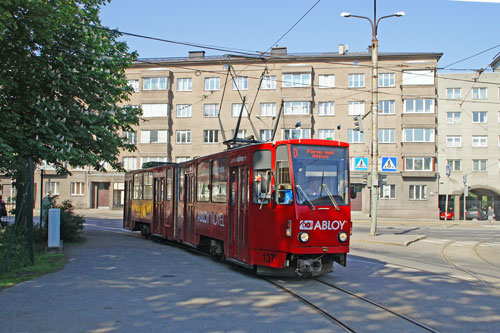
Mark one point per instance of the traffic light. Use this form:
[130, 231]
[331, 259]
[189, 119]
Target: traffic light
[382, 180]
[358, 123]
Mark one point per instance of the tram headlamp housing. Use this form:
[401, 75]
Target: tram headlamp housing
[343, 236]
[304, 237]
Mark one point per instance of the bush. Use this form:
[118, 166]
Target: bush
[19, 252]
[71, 225]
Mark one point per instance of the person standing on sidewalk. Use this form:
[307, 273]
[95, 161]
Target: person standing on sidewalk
[491, 215]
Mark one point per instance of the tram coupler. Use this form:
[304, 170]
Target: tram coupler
[309, 267]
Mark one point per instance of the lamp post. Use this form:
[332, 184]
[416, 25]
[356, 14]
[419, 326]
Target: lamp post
[374, 142]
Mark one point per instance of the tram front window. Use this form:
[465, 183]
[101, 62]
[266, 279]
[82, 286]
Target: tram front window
[320, 175]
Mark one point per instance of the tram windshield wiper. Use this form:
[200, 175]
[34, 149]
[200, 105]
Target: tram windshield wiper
[330, 195]
[305, 196]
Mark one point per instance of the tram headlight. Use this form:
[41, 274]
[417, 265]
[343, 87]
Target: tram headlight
[343, 236]
[304, 237]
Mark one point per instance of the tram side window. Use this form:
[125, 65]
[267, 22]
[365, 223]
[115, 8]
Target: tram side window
[219, 180]
[262, 176]
[148, 186]
[181, 184]
[284, 193]
[169, 184]
[203, 181]
[138, 186]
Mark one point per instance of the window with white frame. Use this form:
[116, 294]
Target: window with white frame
[180, 159]
[130, 163]
[479, 165]
[184, 84]
[453, 93]
[210, 136]
[479, 141]
[386, 135]
[419, 163]
[386, 80]
[242, 133]
[356, 80]
[418, 77]
[294, 133]
[326, 109]
[268, 82]
[326, 81]
[478, 93]
[419, 106]
[77, 188]
[296, 80]
[386, 107]
[184, 110]
[154, 83]
[240, 83]
[455, 165]
[355, 108]
[211, 110]
[418, 134]
[183, 137]
[479, 117]
[354, 136]
[130, 137]
[154, 110]
[418, 192]
[236, 109]
[134, 84]
[453, 117]
[268, 109]
[294, 108]
[265, 134]
[147, 159]
[387, 191]
[52, 188]
[212, 83]
[453, 141]
[326, 134]
[154, 136]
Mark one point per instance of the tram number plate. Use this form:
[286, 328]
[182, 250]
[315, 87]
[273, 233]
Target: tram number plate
[268, 257]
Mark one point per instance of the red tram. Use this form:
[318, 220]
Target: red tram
[278, 208]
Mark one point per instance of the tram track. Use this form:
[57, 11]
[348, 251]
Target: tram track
[476, 252]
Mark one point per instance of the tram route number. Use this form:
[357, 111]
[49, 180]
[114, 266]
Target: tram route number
[268, 257]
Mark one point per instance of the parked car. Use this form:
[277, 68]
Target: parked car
[475, 214]
[449, 216]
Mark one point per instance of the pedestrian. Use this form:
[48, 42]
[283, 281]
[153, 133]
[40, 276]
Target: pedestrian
[491, 215]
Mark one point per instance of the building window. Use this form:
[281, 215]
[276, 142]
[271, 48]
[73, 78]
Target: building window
[180, 159]
[478, 93]
[130, 163]
[183, 137]
[211, 110]
[418, 192]
[453, 117]
[154, 110]
[268, 109]
[455, 165]
[419, 163]
[294, 108]
[387, 191]
[265, 134]
[326, 108]
[184, 111]
[355, 136]
[210, 136]
[326, 81]
[418, 135]
[154, 136]
[479, 116]
[130, 137]
[147, 159]
[386, 135]
[355, 108]
[77, 188]
[356, 80]
[419, 106]
[453, 93]
[240, 83]
[236, 109]
[479, 141]
[479, 165]
[386, 80]
[154, 83]
[326, 134]
[293, 133]
[268, 82]
[453, 141]
[134, 84]
[296, 80]
[386, 107]
[184, 84]
[52, 188]
[242, 133]
[212, 83]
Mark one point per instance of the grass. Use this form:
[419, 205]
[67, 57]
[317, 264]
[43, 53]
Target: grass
[45, 263]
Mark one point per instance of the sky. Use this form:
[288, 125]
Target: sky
[458, 29]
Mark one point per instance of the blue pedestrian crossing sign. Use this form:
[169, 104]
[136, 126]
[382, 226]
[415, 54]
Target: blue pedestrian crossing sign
[389, 164]
[361, 163]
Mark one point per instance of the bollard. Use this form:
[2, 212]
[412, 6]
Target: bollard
[54, 240]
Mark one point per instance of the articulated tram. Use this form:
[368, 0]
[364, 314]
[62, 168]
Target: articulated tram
[280, 207]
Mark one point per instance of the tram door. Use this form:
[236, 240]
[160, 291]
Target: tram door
[189, 208]
[159, 206]
[238, 244]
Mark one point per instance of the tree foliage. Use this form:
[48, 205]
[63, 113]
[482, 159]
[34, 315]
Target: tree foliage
[62, 81]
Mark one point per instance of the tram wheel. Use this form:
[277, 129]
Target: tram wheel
[145, 232]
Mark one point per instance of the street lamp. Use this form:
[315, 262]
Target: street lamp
[374, 165]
